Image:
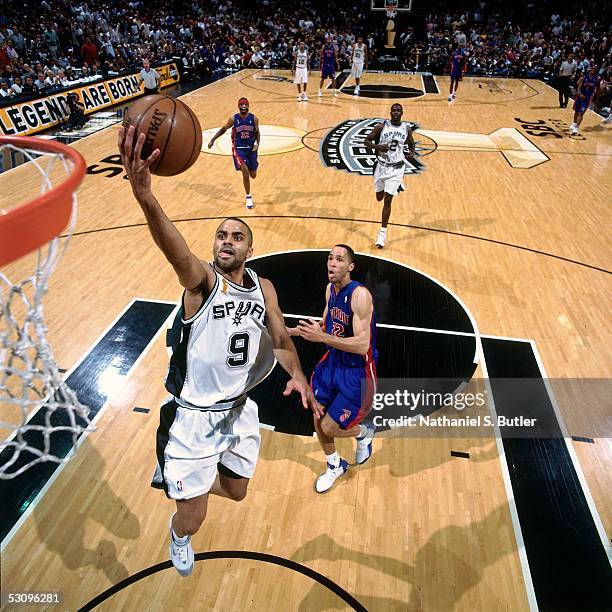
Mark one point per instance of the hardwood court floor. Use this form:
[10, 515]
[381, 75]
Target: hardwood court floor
[525, 249]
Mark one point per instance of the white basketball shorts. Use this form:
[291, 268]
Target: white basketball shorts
[301, 76]
[190, 444]
[388, 179]
[356, 70]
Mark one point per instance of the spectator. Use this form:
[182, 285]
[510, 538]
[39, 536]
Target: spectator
[39, 83]
[16, 87]
[89, 51]
[5, 92]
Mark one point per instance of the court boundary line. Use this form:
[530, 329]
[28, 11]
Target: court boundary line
[369, 221]
[503, 463]
[573, 455]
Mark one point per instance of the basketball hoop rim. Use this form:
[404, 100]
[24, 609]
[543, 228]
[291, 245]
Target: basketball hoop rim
[26, 227]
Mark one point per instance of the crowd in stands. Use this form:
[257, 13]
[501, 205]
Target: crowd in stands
[49, 44]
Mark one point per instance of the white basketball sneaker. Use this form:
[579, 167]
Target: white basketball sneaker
[305, 97]
[325, 481]
[320, 93]
[181, 554]
[450, 97]
[249, 202]
[335, 93]
[364, 444]
[453, 95]
[380, 241]
[357, 90]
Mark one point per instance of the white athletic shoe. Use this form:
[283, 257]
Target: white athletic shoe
[335, 94]
[325, 481]
[320, 93]
[357, 90]
[299, 97]
[249, 202]
[380, 241]
[364, 445]
[450, 97]
[453, 95]
[181, 555]
[305, 98]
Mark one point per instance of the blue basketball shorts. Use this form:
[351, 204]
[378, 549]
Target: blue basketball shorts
[245, 156]
[327, 71]
[456, 75]
[347, 393]
[582, 104]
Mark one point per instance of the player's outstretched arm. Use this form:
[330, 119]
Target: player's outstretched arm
[189, 269]
[361, 304]
[284, 349]
[228, 124]
[372, 136]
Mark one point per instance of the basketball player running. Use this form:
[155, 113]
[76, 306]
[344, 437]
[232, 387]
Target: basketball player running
[245, 143]
[360, 62]
[229, 332]
[348, 327]
[586, 89]
[458, 60]
[388, 139]
[301, 61]
[329, 64]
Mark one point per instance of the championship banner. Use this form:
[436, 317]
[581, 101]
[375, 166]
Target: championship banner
[26, 118]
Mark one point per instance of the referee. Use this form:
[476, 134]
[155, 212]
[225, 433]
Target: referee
[566, 74]
[150, 77]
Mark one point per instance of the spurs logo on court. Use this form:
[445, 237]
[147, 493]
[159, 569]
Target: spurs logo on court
[343, 147]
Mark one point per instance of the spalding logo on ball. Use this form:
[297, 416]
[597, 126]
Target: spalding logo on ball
[170, 126]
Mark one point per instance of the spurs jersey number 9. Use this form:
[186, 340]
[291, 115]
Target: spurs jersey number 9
[224, 349]
[395, 136]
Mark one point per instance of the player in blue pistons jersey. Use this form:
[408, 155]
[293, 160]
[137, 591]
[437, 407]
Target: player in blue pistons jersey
[344, 380]
[245, 144]
[457, 68]
[329, 64]
[587, 88]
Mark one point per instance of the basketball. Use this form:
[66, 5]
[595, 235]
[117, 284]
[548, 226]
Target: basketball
[170, 126]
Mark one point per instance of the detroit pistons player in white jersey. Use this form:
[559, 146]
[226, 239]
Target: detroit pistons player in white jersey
[301, 60]
[229, 332]
[360, 62]
[389, 140]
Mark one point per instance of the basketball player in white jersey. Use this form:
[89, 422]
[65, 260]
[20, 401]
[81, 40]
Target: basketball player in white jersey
[360, 62]
[301, 62]
[389, 140]
[224, 343]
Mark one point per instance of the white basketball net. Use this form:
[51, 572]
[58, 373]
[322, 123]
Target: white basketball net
[391, 8]
[40, 416]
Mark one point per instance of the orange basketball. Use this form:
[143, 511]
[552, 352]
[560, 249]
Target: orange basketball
[170, 126]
